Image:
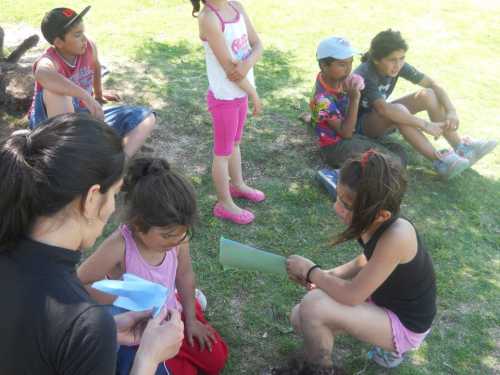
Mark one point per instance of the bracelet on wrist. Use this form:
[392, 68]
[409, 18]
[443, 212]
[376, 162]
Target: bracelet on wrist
[308, 275]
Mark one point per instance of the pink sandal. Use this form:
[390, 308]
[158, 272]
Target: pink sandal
[245, 217]
[255, 196]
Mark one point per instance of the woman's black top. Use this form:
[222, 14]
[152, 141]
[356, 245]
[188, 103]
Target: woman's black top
[48, 323]
[410, 290]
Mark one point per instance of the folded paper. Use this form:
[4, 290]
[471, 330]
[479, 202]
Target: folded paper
[135, 293]
[233, 254]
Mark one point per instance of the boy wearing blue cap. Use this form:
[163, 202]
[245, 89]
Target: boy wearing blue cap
[68, 79]
[334, 105]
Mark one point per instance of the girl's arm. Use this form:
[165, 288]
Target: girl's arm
[396, 114]
[397, 245]
[241, 69]
[350, 269]
[185, 283]
[443, 98]
[106, 259]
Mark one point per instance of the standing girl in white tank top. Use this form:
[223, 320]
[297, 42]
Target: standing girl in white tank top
[232, 47]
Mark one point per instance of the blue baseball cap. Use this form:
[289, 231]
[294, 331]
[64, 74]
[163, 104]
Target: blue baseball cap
[336, 47]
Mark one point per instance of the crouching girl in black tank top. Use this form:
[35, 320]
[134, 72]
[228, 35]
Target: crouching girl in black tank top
[385, 296]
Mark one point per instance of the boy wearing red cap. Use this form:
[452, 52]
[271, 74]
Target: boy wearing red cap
[68, 79]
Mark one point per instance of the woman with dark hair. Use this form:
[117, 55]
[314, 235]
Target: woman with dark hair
[58, 191]
[382, 65]
[386, 296]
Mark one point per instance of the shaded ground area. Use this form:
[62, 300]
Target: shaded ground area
[16, 78]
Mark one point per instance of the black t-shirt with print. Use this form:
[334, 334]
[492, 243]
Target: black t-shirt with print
[381, 87]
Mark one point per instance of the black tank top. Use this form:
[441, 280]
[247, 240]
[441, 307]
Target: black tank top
[410, 290]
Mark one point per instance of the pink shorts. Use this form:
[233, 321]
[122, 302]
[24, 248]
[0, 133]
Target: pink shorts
[228, 120]
[403, 338]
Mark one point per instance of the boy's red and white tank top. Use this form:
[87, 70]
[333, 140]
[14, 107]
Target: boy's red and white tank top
[236, 37]
[81, 73]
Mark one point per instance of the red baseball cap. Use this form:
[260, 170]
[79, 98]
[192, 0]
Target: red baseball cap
[58, 21]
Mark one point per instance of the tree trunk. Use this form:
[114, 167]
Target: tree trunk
[16, 81]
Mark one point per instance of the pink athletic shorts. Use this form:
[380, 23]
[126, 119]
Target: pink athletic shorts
[228, 120]
[403, 338]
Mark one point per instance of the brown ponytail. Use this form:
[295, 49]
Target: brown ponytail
[378, 183]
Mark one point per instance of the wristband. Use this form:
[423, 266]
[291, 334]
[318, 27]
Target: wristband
[309, 272]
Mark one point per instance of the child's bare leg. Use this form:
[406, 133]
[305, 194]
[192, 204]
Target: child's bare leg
[56, 104]
[235, 172]
[426, 100]
[136, 138]
[220, 176]
[376, 125]
[319, 318]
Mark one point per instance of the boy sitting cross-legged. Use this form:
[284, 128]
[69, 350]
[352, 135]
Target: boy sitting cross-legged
[68, 79]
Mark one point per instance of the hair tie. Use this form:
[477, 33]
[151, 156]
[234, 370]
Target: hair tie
[28, 143]
[365, 158]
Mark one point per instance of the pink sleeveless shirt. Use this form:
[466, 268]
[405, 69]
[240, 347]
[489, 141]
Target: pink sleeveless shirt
[163, 274]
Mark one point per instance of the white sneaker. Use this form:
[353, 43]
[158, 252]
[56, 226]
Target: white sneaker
[450, 164]
[201, 298]
[474, 150]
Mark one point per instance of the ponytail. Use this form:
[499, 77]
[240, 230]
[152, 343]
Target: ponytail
[196, 7]
[378, 183]
[366, 56]
[43, 171]
[18, 187]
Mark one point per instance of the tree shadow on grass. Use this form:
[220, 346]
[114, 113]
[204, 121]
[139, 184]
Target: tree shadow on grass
[172, 79]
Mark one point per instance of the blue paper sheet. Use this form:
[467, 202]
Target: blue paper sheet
[135, 293]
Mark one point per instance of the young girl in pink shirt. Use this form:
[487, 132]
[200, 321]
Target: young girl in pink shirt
[160, 211]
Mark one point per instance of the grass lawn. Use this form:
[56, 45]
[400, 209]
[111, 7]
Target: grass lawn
[156, 58]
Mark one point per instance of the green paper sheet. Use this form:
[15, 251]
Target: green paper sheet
[233, 254]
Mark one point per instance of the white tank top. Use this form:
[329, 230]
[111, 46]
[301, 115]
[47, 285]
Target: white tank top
[236, 37]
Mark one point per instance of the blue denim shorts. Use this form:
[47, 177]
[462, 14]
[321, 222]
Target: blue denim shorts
[122, 118]
[126, 354]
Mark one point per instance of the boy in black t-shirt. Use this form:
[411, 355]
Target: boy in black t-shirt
[381, 68]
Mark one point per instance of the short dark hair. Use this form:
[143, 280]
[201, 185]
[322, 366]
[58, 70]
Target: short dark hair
[385, 43]
[158, 196]
[326, 61]
[45, 170]
[378, 183]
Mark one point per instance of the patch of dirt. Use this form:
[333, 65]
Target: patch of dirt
[17, 79]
